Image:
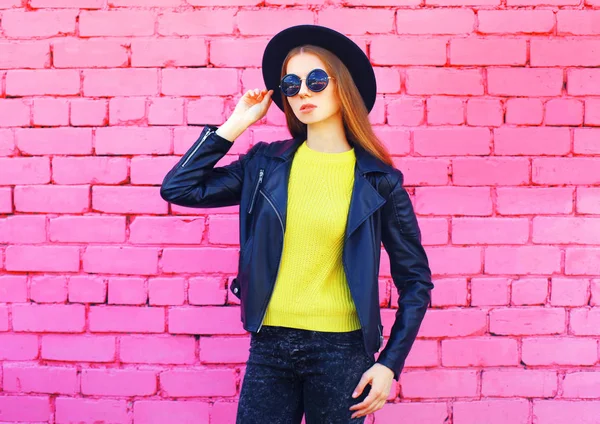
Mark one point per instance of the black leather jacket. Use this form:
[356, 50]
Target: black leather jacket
[380, 211]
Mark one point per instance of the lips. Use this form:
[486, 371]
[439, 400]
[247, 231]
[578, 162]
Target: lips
[307, 106]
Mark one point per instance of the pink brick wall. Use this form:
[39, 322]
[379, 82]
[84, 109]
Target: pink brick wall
[490, 107]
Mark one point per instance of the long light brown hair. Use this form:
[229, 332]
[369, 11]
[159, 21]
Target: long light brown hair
[354, 112]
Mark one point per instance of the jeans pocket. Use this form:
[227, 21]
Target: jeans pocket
[341, 339]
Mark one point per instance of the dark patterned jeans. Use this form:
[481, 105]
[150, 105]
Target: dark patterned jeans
[291, 372]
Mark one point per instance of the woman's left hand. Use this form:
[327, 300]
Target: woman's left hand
[381, 378]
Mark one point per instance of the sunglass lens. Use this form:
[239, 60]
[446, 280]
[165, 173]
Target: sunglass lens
[317, 80]
[290, 85]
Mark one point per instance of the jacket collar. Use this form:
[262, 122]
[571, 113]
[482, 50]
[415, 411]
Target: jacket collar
[365, 161]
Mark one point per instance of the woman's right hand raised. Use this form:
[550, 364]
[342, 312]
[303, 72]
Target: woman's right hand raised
[253, 105]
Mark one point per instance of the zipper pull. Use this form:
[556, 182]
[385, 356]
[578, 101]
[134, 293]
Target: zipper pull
[261, 173]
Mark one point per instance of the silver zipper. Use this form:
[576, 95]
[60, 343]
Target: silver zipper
[260, 178]
[380, 336]
[280, 257]
[209, 132]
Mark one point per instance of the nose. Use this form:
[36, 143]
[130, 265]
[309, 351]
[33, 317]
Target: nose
[303, 89]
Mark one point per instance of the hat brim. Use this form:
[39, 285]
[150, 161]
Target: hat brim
[344, 48]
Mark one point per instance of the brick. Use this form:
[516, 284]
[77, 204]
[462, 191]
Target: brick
[109, 141]
[81, 4]
[515, 21]
[50, 112]
[396, 50]
[40, 379]
[503, 411]
[479, 352]
[534, 200]
[455, 260]
[435, 21]
[270, 22]
[118, 382]
[120, 260]
[87, 289]
[119, 23]
[42, 258]
[585, 321]
[522, 260]
[445, 111]
[24, 408]
[70, 410]
[525, 81]
[207, 291]
[47, 82]
[199, 82]
[564, 112]
[406, 111]
[200, 22]
[358, 21]
[199, 260]
[539, 141]
[518, 382]
[592, 112]
[578, 22]
[4, 324]
[588, 200]
[165, 111]
[572, 170]
[146, 3]
[490, 171]
[205, 320]
[525, 321]
[224, 350]
[7, 142]
[6, 204]
[582, 82]
[486, 51]
[127, 291]
[89, 53]
[490, 230]
[232, 53]
[49, 289]
[582, 261]
[24, 170]
[566, 351]
[529, 291]
[49, 141]
[451, 141]
[13, 289]
[564, 52]
[81, 348]
[558, 412]
[157, 349]
[195, 383]
[466, 201]
[166, 230]
[151, 170]
[161, 411]
[432, 81]
[586, 141]
[89, 170]
[126, 111]
[128, 199]
[439, 384]
[424, 353]
[43, 23]
[595, 290]
[88, 112]
[423, 171]
[484, 112]
[490, 291]
[455, 322]
[24, 54]
[126, 319]
[388, 79]
[120, 82]
[449, 292]
[524, 111]
[223, 229]
[18, 347]
[581, 385]
[48, 318]
[52, 198]
[564, 230]
[208, 110]
[547, 2]
[14, 113]
[422, 412]
[23, 229]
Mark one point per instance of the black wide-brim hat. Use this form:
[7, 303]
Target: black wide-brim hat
[344, 48]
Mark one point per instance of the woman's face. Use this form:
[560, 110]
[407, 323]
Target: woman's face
[326, 101]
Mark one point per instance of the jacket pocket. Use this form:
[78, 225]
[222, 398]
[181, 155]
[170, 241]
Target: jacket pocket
[259, 181]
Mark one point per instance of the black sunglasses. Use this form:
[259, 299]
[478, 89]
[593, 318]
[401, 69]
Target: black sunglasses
[316, 80]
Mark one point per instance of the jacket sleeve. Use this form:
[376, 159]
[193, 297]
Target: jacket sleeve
[410, 271]
[195, 182]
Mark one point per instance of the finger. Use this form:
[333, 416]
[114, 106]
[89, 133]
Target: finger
[369, 410]
[364, 380]
[370, 399]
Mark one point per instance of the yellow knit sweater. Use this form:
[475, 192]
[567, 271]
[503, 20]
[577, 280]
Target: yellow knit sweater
[311, 291]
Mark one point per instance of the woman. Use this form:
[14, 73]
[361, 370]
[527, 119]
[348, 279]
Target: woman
[314, 211]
